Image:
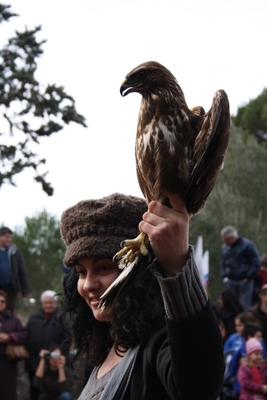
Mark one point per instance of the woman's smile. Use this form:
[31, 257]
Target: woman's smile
[95, 276]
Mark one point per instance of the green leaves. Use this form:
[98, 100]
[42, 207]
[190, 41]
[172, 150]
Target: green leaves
[30, 108]
[253, 117]
[239, 198]
[40, 242]
[5, 14]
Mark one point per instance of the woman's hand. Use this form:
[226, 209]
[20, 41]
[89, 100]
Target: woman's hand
[4, 338]
[168, 232]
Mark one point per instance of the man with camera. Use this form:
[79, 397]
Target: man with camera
[53, 378]
[43, 330]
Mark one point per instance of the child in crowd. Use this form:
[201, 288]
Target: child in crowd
[252, 373]
[228, 308]
[250, 331]
[235, 340]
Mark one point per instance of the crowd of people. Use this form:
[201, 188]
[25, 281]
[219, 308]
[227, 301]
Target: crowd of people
[242, 315]
[143, 345]
[46, 364]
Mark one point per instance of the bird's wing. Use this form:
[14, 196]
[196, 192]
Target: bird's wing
[198, 110]
[208, 153]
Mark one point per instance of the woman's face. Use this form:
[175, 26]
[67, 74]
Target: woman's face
[2, 304]
[95, 276]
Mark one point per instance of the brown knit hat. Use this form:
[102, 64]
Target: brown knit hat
[95, 228]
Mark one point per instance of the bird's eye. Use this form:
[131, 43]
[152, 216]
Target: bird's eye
[142, 74]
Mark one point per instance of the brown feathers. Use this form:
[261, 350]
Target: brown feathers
[177, 149]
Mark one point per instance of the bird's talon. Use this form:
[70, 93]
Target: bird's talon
[143, 250]
[132, 248]
[120, 253]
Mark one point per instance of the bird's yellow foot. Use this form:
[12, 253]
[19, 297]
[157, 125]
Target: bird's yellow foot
[132, 248]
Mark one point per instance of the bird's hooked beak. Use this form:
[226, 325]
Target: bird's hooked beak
[125, 88]
[128, 87]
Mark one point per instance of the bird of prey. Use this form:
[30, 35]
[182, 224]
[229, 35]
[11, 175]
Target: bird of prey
[176, 149]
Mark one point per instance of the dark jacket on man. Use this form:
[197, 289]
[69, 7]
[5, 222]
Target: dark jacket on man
[42, 333]
[19, 279]
[241, 260]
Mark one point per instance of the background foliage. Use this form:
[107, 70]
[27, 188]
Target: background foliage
[239, 198]
[252, 118]
[30, 109]
[40, 242]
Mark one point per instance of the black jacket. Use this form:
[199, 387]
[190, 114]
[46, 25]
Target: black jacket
[241, 260]
[198, 372]
[19, 279]
[42, 333]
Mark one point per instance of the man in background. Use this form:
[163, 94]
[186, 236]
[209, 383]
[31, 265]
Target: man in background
[240, 264]
[13, 275]
[43, 330]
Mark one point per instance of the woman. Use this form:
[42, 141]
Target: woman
[161, 340]
[11, 331]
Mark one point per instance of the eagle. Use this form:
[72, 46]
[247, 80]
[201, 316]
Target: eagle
[177, 150]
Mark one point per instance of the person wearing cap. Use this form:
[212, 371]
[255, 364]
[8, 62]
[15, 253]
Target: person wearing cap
[161, 340]
[43, 330]
[252, 373]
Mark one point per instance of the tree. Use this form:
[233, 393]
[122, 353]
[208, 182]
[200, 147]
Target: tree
[252, 117]
[43, 250]
[30, 111]
[239, 198]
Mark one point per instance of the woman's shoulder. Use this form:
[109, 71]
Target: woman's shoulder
[9, 314]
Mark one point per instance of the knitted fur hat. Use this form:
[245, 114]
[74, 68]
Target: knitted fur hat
[95, 228]
[252, 345]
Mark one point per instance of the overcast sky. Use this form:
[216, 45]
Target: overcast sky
[91, 45]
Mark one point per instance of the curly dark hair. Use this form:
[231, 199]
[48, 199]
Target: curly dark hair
[137, 312]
